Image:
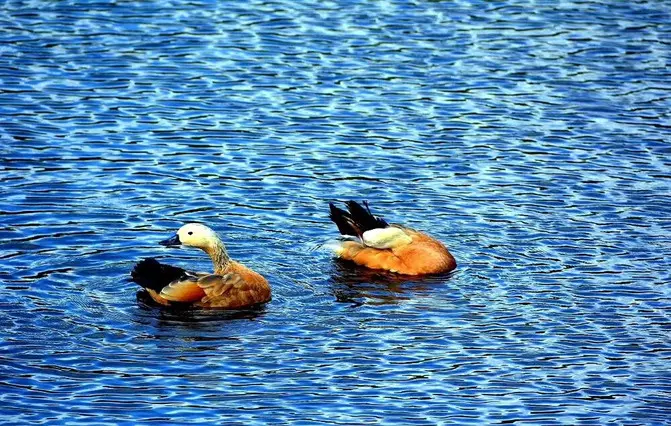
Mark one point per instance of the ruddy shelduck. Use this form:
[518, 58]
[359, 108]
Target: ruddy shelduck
[231, 286]
[375, 244]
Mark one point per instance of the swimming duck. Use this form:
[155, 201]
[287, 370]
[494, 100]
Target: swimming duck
[379, 245]
[231, 286]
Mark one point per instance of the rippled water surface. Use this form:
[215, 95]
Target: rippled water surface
[531, 137]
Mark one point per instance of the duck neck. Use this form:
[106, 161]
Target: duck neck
[219, 256]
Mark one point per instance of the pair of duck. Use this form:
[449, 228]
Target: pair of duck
[369, 241]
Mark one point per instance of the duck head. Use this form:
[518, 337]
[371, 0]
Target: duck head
[193, 235]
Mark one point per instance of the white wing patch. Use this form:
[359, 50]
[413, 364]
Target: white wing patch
[385, 238]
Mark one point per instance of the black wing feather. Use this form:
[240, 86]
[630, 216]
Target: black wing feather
[343, 221]
[358, 220]
[149, 273]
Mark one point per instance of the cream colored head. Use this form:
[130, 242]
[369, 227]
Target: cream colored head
[194, 235]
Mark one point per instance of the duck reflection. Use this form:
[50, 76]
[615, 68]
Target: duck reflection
[358, 285]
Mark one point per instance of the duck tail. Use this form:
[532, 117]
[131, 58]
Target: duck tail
[357, 220]
[151, 274]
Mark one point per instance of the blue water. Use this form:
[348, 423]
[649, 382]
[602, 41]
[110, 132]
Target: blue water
[533, 138]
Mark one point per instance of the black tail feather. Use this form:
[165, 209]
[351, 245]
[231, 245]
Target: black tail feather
[364, 217]
[357, 221]
[149, 273]
[343, 221]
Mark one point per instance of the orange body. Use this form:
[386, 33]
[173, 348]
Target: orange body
[422, 255]
[236, 286]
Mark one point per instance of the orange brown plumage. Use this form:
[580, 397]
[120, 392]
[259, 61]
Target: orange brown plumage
[393, 248]
[231, 286]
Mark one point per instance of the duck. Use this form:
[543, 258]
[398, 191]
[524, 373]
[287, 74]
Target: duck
[231, 286]
[371, 242]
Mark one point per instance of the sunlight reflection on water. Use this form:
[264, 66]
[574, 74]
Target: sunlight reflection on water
[532, 141]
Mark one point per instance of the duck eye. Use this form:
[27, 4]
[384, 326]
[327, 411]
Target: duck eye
[190, 232]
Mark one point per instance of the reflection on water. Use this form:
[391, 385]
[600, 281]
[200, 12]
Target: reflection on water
[353, 284]
[532, 139]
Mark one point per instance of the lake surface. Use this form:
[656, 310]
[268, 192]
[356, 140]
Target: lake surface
[532, 138]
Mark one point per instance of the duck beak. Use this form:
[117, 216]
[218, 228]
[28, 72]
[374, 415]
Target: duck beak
[172, 241]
